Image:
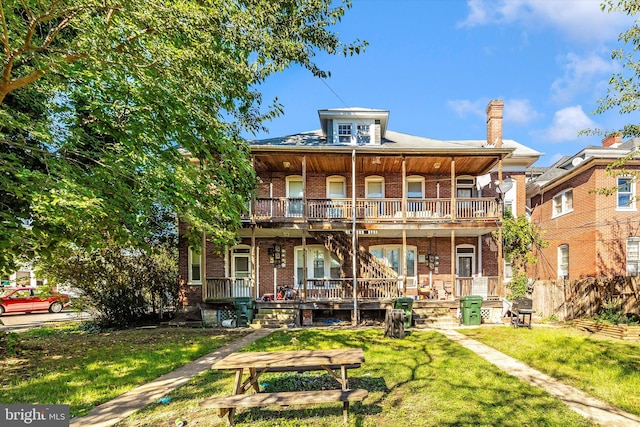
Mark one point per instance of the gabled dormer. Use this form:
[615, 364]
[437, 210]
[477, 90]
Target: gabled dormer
[353, 126]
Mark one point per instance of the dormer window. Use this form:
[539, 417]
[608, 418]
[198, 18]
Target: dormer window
[360, 133]
[344, 133]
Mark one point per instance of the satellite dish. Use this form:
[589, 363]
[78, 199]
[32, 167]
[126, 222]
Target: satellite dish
[576, 161]
[505, 186]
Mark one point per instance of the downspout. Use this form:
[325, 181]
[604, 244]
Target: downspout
[203, 263]
[354, 260]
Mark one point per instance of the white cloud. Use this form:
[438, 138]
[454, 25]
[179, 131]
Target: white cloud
[580, 20]
[580, 74]
[519, 111]
[516, 111]
[465, 107]
[567, 123]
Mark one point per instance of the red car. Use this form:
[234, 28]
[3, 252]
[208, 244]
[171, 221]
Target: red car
[26, 300]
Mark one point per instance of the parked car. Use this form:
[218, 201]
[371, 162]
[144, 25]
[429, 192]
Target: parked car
[28, 299]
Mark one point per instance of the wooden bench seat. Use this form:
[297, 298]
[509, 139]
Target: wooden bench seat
[227, 404]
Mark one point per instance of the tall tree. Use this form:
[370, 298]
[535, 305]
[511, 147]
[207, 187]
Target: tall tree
[97, 97]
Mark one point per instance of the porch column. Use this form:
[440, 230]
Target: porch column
[304, 266]
[500, 248]
[304, 188]
[453, 189]
[254, 277]
[404, 264]
[354, 242]
[453, 261]
[404, 188]
[203, 265]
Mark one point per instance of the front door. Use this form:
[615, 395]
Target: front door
[241, 272]
[294, 196]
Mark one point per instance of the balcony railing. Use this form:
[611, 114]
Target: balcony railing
[374, 210]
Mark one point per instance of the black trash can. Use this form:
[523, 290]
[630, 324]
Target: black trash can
[470, 306]
[244, 311]
[404, 304]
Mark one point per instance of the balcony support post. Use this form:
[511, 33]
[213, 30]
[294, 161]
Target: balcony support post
[354, 247]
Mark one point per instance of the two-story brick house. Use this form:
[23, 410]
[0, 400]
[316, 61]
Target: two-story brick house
[353, 214]
[590, 233]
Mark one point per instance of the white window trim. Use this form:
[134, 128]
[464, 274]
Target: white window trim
[191, 256]
[354, 130]
[635, 240]
[466, 255]
[563, 198]
[310, 248]
[416, 178]
[336, 178]
[466, 185]
[370, 179]
[561, 249]
[632, 206]
[239, 255]
[511, 196]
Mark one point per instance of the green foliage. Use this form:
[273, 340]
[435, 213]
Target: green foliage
[98, 97]
[520, 238]
[612, 312]
[9, 343]
[518, 286]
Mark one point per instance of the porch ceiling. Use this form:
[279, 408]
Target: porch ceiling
[373, 164]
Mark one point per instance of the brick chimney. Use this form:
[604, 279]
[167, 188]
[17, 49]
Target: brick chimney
[614, 138]
[494, 122]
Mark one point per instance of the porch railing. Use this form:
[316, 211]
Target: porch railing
[485, 286]
[342, 289]
[378, 210]
[228, 287]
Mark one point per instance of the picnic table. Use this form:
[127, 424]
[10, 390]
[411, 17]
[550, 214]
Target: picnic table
[335, 362]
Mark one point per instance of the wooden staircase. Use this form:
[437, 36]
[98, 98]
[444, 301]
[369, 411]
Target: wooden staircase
[369, 266]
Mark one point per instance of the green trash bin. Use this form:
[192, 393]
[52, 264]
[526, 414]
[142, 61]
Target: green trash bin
[470, 306]
[404, 304]
[244, 311]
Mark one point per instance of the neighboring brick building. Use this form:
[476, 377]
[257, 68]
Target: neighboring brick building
[590, 234]
[417, 213]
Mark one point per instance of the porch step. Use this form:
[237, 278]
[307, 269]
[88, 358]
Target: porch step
[436, 317]
[276, 318]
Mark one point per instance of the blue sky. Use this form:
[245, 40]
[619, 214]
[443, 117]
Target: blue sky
[435, 64]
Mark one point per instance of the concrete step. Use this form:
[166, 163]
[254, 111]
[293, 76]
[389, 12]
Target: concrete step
[274, 325]
[276, 316]
[278, 310]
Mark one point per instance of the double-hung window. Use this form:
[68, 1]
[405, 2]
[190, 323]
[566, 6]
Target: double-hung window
[563, 203]
[563, 261]
[626, 193]
[633, 256]
[363, 135]
[344, 133]
[195, 273]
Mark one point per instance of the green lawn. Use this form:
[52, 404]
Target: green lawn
[607, 369]
[421, 380]
[65, 365]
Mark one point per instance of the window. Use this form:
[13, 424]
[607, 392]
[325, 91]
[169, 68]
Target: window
[195, 276]
[415, 187]
[344, 133]
[360, 131]
[509, 201]
[563, 261]
[363, 136]
[464, 188]
[391, 255]
[633, 256]
[626, 196]
[374, 187]
[321, 264]
[563, 203]
[294, 195]
[241, 261]
[336, 187]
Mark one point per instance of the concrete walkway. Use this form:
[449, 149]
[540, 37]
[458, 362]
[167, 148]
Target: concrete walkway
[595, 410]
[109, 413]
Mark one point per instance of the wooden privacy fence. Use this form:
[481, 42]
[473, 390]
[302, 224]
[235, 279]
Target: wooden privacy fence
[575, 299]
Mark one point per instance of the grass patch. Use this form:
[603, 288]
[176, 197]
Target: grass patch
[605, 368]
[66, 365]
[422, 380]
